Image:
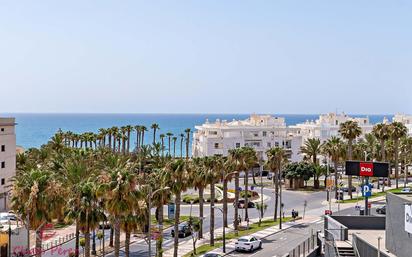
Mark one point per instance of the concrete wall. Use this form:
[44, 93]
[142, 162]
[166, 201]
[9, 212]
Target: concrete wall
[337, 229]
[365, 249]
[398, 241]
[361, 222]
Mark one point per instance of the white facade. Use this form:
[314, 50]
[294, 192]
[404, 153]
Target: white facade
[327, 126]
[7, 158]
[406, 120]
[261, 132]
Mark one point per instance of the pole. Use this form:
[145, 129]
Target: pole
[379, 246]
[9, 246]
[366, 198]
[261, 191]
[224, 239]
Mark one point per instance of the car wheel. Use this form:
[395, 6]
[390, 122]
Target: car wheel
[260, 245]
[251, 248]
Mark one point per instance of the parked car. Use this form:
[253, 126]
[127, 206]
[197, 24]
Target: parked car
[346, 189]
[270, 176]
[212, 255]
[265, 173]
[381, 210]
[248, 243]
[241, 204]
[406, 190]
[6, 216]
[183, 230]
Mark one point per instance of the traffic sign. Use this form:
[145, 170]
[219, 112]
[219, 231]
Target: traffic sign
[328, 212]
[366, 190]
[369, 205]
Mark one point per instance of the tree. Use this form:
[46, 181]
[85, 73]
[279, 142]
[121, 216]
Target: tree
[162, 138]
[299, 172]
[174, 146]
[276, 160]
[382, 133]
[312, 148]
[236, 160]
[155, 127]
[169, 137]
[261, 208]
[350, 130]
[397, 131]
[198, 177]
[187, 131]
[175, 175]
[182, 137]
[334, 148]
[143, 129]
[34, 196]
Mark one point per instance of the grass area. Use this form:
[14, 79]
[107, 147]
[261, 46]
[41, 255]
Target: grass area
[253, 228]
[361, 198]
[168, 223]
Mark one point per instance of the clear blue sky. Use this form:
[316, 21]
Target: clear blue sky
[206, 56]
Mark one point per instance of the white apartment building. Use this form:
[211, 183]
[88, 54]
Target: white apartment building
[258, 131]
[406, 120]
[327, 126]
[7, 158]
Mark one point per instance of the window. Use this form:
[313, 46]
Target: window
[212, 132]
[216, 145]
[269, 144]
[3, 165]
[237, 145]
[3, 148]
[264, 133]
[336, 122]
[276, 144]
[2, 181]
[2, 129]
[256, 134]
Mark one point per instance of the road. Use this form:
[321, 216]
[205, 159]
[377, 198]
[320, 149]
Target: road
[283, 242]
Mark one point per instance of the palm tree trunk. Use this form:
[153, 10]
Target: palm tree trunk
[225, 203]
[154, 136]
[142, 138]
[212, 213]
[128, 142]
[176, 225]
[276, 182]
[174, 149]
[201, 190]
[160, 240]
[77, 239]
[397, 162]
[350, 142]
[335, 166]
[127, 242]
[117, 237]
[181, 147]
[38, 249]
[111, 236]
[246, 195]
[87, 244]
[236, 218]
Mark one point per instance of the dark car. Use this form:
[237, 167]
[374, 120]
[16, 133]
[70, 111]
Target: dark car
[381, 210]
[346, 189]
[183, 230]
[212, 255]
[241, 204]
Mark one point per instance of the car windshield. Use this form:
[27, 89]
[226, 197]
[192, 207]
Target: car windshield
[243, 240]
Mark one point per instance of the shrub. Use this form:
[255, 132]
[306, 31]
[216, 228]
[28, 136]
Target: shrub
[190, 198]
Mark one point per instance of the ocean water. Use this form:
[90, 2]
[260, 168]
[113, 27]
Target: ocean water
[33, 130]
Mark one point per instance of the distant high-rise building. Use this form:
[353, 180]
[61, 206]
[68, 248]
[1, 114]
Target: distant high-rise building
[7, 159]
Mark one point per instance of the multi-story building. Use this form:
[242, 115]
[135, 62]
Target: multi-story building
[327, 126]
[7, 159]
[258, 131]
[406, 120]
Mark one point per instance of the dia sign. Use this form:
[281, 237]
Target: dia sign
[366, 169]
[408, 218]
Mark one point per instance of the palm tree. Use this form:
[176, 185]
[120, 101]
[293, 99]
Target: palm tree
[334, 148]
[162, 138]
[397, 131]
[182, 137]
[34, 196]
[350, 130]
[115, 134]
[118, 187]
[175, 175]
[250, 160]
[155, 127]
[187, 131]
[198, 177]
[236, 160]
[129, 130]
[138, 130]
[276, 160]
[169, 135]
[382, 133]
[174, 146]
[143, 130]
[312, 148]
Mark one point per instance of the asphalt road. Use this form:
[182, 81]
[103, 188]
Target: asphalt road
[283, 242]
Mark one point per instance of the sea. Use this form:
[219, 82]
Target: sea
[33, 130]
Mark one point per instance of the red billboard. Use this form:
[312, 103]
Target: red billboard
[367, 169]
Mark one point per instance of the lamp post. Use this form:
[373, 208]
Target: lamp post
[149, 234]
[224, 231]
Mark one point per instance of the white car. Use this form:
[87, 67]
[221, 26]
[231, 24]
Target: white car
[406, 190]
[248, 243]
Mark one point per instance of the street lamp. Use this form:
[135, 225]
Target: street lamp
[149, 235]
[224, 231]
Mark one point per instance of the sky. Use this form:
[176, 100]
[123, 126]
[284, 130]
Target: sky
[212, 56]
